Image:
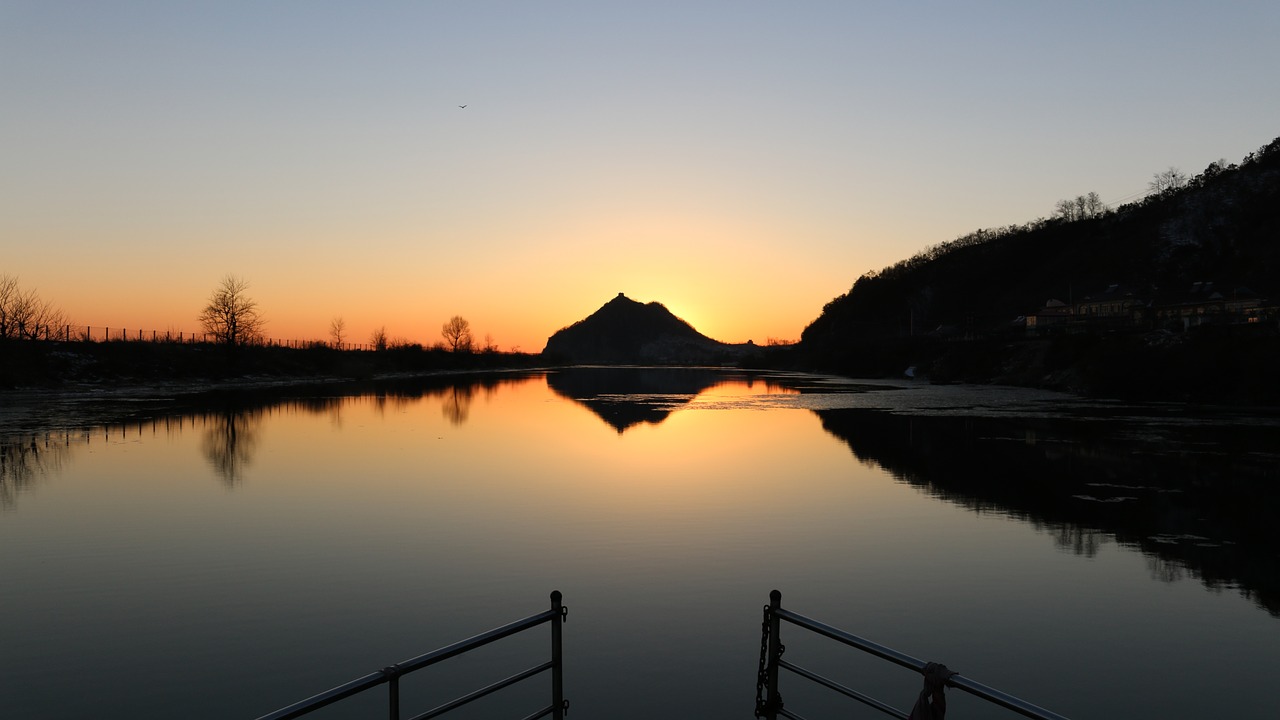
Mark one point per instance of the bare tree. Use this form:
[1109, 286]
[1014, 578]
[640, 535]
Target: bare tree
[1091, 205]
[231, 315]
[45, 320]
[24, 315]
[1065, 209]
[1167, 181]
[378, 339]
[9, 291]
[1081, 207]
[490, 345]
[337, 331]
[457, 334]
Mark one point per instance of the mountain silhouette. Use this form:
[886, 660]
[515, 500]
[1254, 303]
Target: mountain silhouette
[624, 331]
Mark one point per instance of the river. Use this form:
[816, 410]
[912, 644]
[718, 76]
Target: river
[226, 554]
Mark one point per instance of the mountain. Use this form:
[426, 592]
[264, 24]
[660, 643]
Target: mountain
[624, 331]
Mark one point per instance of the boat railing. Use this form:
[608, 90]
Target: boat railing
[391, 675]
[769, 705]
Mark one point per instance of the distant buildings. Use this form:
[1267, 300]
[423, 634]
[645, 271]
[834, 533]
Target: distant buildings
[1119, 307]
[1205, 305]
[1053, 315]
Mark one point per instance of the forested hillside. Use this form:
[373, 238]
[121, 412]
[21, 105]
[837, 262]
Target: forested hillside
[1221, 226]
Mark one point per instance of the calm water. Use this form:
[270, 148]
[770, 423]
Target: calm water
[234, 554]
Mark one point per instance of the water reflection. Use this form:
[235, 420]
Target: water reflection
[457, 404]
[229, 441]
[26, 458]
[624, 397]
[230, 422]
[456, 393]
[1194, 500]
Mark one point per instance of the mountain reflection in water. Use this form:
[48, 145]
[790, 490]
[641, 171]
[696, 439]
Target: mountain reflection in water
[627, 396]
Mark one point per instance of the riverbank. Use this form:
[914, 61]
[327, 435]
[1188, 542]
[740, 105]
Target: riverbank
[1214, 366]
[73, 384]
[112, 367]
[1229, 365]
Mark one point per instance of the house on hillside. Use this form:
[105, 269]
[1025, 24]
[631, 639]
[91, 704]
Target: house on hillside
[1122, 308]
[1053, 317]
[1116, 307]
[1205, 304]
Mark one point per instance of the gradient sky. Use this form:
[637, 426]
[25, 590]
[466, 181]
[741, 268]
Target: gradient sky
[740, 162]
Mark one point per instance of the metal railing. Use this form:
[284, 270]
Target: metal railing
[391, 675]
[769, 702]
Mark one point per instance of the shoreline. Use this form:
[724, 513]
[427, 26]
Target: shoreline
[85, 404]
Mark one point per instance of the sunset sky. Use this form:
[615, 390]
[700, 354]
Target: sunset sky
[741, 162]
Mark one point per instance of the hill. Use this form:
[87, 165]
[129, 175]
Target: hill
[624, 331]
[1190, 271]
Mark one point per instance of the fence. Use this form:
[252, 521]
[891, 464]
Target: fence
[391, 675]
[769, 702]
[103, 333]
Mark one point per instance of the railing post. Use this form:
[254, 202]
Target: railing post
[557, 657]
[393, 690]
[772, 701]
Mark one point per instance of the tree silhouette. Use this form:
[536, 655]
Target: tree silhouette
[24, 315]
[1081, 207]
[457, 334]
[337, 331]
[378, 338]
[1167, 181]
[231, 315]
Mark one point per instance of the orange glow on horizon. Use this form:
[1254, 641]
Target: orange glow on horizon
[518, 304]
[523, 326]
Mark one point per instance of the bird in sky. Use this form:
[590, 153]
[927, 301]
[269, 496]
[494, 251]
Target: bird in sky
[462, 106]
